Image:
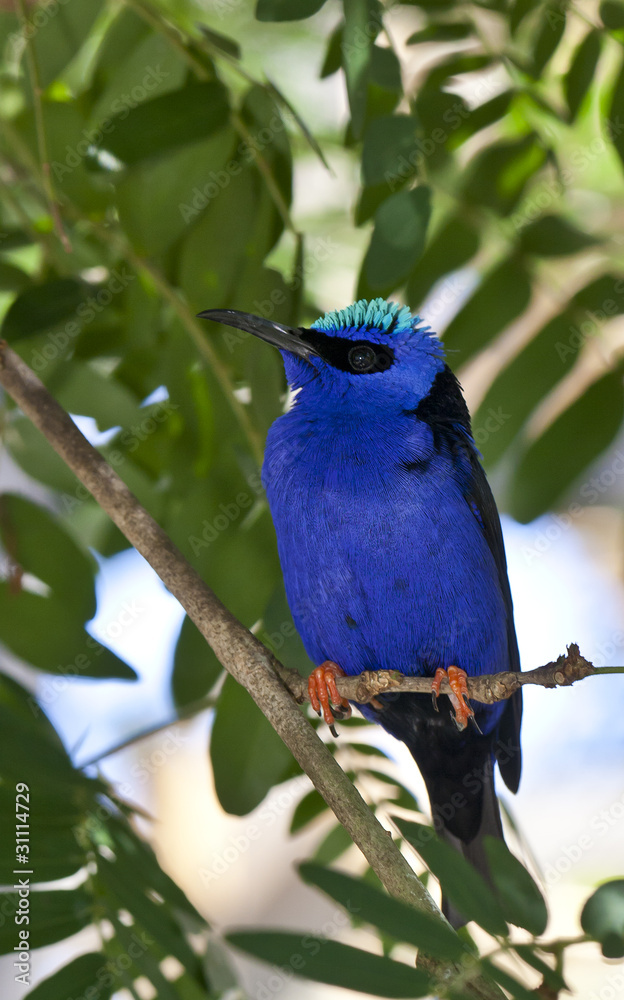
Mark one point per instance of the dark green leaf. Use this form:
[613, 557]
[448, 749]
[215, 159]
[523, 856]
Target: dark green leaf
[517, 990]
[521, 901]
[450, 32]
[246, 769]
[550, 32]
[362, 22]
[12, 279]
[581, 72]
[502, 295]
[195, 666]
[552, 463]
[612, 15]
[54, 915]
[310, 806]
[396, 919]
[173, 119]
[63, 37]
[481, 117]
[497, 176]
[519, 11]
[453, 245]
[385, 69]
[462, 883]
[603, 918]
[78, 978]
[43, 307]
[333, 845]
[221, 42]
[615, 128]
[552, 978]
[398, 238]
[286, 10]
[390, 153]
[336, 964]
[553, 236]
[333, 55]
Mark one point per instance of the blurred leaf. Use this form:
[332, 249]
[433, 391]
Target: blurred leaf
[76, 978]
[615, 131]
[553, 236]
[579, 77]
[517, 990]
[385, 69]
[223, 43]
[462, 883]
[398, 920]
[612, 15]
[497, 176]
[301, 125]
[481, 117]
[398, 238]
[519, 10]
[64, 36]
[54, 915]
[390, 150]
[445, 32]
[287, 10]
[246, 769]
[165, 122]
[551, 28]
[330, 962]
[12, 279]
[501, 296]
[333, 845]
[561, 453]
[362, 22]
[59, 562]
[603, 918]
[552, 978]
[521, 901]
[453, 245]
[311, 805]
[195, 666]
[43, 307]
[333, 54]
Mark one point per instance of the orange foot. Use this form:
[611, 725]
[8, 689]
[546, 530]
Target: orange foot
[459, 695]
[322, 690]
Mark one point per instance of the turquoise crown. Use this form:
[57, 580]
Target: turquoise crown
[378, 314]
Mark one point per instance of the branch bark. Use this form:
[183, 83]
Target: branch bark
[246, 659]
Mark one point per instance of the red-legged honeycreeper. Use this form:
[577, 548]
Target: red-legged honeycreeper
[391, 545]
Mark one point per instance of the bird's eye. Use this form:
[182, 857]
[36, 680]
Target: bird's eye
[362, 358]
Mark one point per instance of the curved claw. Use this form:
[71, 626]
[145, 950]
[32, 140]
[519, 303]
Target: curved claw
[457, 679]
[323, 693]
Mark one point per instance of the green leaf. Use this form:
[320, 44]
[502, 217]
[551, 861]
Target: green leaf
[446, 32]
[612, 15]
[579, 77]
[174, 119]
[311, 805]
[462, 883]
[77, 978]
[551, 28]
[245, 769]
[552, 978]
[223, 43]
[13, 279]
[498, 175]
[396, 919]
[452, 246]
[521, 901]
[552, 462]
[64, 35]
[553, 236]
[615, 115]
[390, 153]
[362, 22]
[519, 11]
[195, 666]
[333, 963]
[59, 562]
[398, 238]
[54, 915]
[43, 307]
[286, 10]
[333, 846]
[333, 54]
[500, 297]
[603, 918]
[481, 117]
[516, 989]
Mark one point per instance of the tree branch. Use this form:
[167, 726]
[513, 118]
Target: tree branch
[246, 659]
[488, 688]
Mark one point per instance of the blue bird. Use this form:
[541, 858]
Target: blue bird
[391, 547]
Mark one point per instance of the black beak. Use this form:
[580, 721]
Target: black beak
[280, 336]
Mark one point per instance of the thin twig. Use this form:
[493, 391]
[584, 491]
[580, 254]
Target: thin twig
[487, 688]
[242, 655]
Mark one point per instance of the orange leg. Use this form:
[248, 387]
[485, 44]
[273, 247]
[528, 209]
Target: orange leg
[322, 690]
[459, 695]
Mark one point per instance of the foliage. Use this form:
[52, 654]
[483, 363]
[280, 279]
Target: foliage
[169, 190]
